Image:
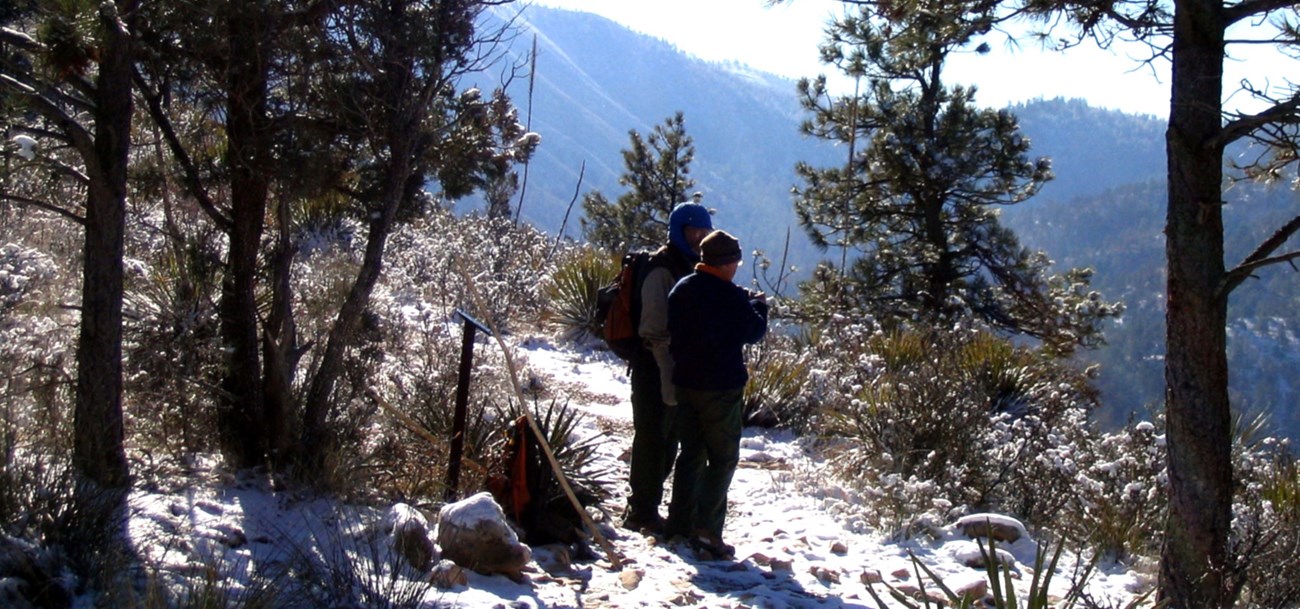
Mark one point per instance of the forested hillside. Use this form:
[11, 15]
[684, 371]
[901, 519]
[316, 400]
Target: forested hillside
[1105, 208]
[596, 81]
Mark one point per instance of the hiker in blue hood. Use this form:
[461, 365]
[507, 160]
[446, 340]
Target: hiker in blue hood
[654, 442]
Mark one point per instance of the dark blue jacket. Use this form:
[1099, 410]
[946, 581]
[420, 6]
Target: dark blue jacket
[710, 319]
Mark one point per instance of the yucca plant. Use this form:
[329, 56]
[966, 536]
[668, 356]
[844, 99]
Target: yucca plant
[776, 394]
[572, 291]
[1002, 592]
[525, 483]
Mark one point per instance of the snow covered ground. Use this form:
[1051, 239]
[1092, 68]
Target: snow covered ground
[801, 540]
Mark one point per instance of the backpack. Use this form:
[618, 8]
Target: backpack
[619, 304]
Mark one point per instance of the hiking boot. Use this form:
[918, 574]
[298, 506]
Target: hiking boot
[705, 542]
[652, 523]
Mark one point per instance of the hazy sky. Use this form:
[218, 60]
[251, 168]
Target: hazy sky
[783, 40]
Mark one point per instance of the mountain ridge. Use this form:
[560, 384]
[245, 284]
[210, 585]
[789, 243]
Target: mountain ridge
[596, 80]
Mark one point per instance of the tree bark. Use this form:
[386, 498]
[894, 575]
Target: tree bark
[1194, 558]
[248, 159]
[98, 455]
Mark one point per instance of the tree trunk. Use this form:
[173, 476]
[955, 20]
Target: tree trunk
[1194, 558]
[98, 454]
[280, 351]
[248, 159]
[344, 331]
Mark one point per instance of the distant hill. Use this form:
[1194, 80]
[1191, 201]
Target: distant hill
[597, 80]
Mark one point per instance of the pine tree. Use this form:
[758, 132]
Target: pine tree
[657, 176]
[917, 198]
[1198, 567]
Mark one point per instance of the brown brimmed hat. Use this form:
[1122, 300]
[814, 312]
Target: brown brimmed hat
[719, 249]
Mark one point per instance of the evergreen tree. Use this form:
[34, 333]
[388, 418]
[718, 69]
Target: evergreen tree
[1197, 566]
[657, 176]
[926, 168]
[67, 69]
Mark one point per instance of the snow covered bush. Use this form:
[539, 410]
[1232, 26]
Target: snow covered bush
[947, 420]
[407, 353]
[465, 262]
[1266, 518]
[35, 419]
[1118, 502]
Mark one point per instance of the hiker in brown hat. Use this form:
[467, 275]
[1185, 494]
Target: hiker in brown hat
[710, 319]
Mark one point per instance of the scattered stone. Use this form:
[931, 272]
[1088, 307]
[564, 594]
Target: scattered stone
[631, 578]
[839, 548]
[554, 558]
[1001, 528]
[871, 576]
[227, 534]
[973, 590]
[782, 564]
[908, 590]
[969, 553]
[901, 573]
[474, 534]
[409, 530]
[760, 559]
[447, 575]
[828, 576]
[688, 597]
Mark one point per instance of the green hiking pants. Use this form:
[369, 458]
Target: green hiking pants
[654, 443]
[708, 426]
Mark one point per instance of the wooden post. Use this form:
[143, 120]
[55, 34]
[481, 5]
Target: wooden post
[462, 403]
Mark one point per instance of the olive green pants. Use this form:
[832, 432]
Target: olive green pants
[654, 443]
[708, 427]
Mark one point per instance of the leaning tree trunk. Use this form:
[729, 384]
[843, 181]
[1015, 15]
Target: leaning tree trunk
[315, 442]
[1194, 558]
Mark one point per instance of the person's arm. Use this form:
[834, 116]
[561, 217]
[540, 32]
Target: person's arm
[750, 318]
[654, 326]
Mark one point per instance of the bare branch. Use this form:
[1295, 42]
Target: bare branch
[1250, 8]
[38, 204]
[1262, 257]
[1285, 112]
[192, 180]
[77, 134]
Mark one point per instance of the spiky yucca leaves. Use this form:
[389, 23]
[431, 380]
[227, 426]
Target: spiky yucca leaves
[777, 394]
[345, 564]
[576, 454]
[1003, 593]
[170, 337]
[543, 509]
[571, 293]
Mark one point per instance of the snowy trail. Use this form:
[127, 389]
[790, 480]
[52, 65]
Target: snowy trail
[801, 541]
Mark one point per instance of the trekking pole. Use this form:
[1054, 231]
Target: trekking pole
[616, 561]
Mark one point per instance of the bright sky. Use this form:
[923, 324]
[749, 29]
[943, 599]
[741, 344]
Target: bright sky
[783, 40]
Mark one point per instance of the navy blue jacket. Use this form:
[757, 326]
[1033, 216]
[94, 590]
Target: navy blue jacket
[710, 319]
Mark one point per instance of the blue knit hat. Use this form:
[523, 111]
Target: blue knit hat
[684, 215]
